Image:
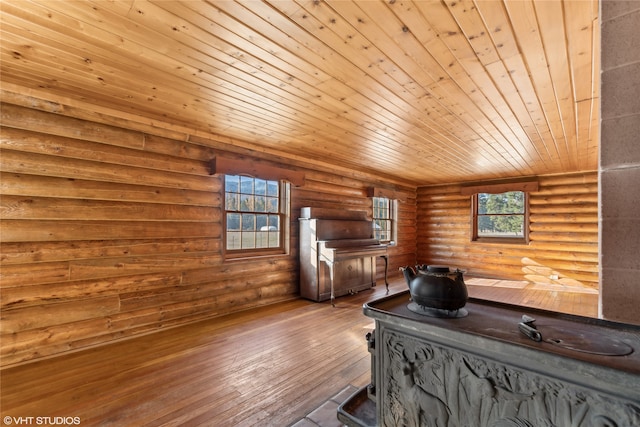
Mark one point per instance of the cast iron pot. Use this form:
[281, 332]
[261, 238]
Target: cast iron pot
[436, 286]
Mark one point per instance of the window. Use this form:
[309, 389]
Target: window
[383, 219]
[255, 215]
[501, 217]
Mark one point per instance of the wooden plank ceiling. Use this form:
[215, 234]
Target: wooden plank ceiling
[419, 91]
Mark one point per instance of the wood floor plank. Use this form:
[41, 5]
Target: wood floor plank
[268, 367]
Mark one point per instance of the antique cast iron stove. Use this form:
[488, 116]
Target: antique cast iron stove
[500, 366]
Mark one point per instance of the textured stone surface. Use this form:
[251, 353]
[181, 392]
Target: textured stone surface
[326, 415]
[625, 148]
[621, 50]
[622, 299]
[620, 162]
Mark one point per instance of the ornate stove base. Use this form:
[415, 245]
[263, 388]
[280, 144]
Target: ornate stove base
[482, 371]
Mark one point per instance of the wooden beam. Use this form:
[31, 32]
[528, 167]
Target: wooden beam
[254, 168]
[527, 186]
[386, 193]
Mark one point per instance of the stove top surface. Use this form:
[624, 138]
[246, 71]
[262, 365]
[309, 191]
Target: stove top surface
[592, 340]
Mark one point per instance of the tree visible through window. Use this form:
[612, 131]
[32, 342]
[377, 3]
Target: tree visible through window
[254, 215]
[502, 215]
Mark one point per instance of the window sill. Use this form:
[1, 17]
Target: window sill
[247, 256]
[502, 240]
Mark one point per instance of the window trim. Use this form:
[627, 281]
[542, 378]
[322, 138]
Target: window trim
[510, 240]
[284, 210]
[526, 185]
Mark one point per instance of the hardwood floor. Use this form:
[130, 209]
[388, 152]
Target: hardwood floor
[268, 367]
[581, 302]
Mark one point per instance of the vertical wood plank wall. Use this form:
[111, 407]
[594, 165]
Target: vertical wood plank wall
[108, 233]
[563, 234]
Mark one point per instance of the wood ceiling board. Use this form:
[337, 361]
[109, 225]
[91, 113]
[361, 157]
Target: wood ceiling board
[478, 106]
[333, 84]
[264, 110]
[526, 25]
[232, 83]
[329, 18]
[356, 17]
[551, 15]
[466, 15]
[245, 34]
[374, 33]
[98, 82]
[424, 92]
[583, 32]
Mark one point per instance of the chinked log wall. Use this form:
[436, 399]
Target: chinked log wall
[108, 233]
[563, 234]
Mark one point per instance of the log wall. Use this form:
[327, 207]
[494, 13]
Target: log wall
[109, 233]
[563, 234]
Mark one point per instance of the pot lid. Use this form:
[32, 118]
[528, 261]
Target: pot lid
[438, 269]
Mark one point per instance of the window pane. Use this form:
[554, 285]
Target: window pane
[234, 239]
[482, 203]
[380, 207]
[272, 188]
[501, 226]
[260, 187]
[382, 229]
[248, 240]
[273, 231]
[260, 204]
[274, 222]
[233, 222]
[231, 201]
[261, 222]
[246, 202]
[248, 222]
[272, 204]
[262, 237]
[510, 202]
[232, 183]
[246, 185]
